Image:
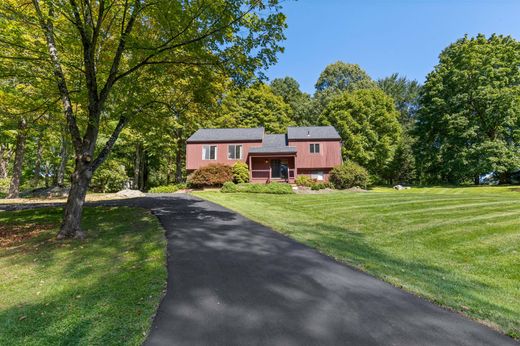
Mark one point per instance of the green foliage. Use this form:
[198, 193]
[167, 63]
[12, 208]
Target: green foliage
[111, 299]
[402, 167]
[320, 186]
[348, 175]
[469, 122]
[341, 76]
[367, 122]
[405, 94]
[273, 188]
[304, 180]
[167, 188]
[256, 106]
[299, 102]
[110, 177]
[210, 176]
[240, 172]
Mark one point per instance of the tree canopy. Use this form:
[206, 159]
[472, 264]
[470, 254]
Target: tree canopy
[368, 124]
[469, 121]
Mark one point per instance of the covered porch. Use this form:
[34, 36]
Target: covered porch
[265, 168]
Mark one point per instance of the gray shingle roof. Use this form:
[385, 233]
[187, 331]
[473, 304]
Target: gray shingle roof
[273, 144]
[225, 135]
[312, 132]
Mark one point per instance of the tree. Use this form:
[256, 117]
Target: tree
[256, 106]
[337, 78]
[367, 122]
[405, 94]
[299, 102]
[341, 76]
[469, 121]
[94, 48]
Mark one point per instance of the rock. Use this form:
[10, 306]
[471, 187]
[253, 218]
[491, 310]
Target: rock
[130, 193]
[401, 187]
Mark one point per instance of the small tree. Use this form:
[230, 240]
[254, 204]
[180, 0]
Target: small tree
[240, 172]
[348, 175]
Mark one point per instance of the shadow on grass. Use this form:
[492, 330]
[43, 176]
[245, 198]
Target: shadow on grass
[99, 291]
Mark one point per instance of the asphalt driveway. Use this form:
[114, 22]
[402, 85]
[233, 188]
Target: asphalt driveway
[235, 282]
[232, 281]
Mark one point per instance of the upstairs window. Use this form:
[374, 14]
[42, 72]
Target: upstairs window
[315, 148]
[234, 151]
[209, 152]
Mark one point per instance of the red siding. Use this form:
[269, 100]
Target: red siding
[194, 154]
[328, 157]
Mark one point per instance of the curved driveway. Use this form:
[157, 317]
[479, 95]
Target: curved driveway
[232, 281]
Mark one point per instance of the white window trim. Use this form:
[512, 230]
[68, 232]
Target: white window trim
[313, 145]
[235, 151]
[209, 147]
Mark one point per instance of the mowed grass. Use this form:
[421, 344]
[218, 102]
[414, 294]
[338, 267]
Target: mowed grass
[458, 247]
[100, 291]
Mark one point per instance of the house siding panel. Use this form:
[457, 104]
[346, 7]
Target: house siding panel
[194, 154]
[328, 157]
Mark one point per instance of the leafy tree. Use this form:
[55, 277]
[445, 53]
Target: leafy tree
[405, 94]
[99, 51]
[335, 79]
[299, 102]
[469, 121]
[341, 76]
[367, 122]
[256, 106]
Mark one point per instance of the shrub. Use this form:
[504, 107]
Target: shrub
[320, 186]
[211, 175]
[348, 175]
[303, 180]
[274, 188]
[167, 188]
[229, 186]
[240, 172]
[110, 177]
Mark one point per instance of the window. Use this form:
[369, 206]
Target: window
[317, 175]
[209, 152]
[315, 148]
[234, 151]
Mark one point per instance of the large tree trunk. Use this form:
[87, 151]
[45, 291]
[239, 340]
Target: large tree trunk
[21, 136]
[80, 181]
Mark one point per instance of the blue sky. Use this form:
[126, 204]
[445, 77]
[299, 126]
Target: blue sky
[383, 36]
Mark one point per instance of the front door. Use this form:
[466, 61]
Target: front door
[279, 169]
[275, 168]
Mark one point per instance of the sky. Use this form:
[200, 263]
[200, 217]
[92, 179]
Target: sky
[383, 36]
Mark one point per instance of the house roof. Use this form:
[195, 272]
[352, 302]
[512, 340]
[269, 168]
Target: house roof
[312, 132]
[225, 135]
[273, 144]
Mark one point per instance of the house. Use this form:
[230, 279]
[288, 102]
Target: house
[311, 151]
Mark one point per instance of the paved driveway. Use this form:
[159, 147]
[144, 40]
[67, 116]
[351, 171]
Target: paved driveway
[232, 281]
[235, 282]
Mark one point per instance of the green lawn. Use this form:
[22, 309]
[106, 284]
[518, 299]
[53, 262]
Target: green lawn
[101, 291]
[459, 247]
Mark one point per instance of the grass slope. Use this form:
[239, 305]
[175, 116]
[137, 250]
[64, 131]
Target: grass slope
[101, 291]
[459, 247]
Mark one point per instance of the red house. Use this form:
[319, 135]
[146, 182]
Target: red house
[311, 151]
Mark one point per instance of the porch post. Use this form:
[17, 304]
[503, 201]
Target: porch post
[295, 167]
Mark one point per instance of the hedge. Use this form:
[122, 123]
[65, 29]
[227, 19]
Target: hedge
[274, 188]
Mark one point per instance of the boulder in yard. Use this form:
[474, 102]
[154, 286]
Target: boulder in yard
[130, 193]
